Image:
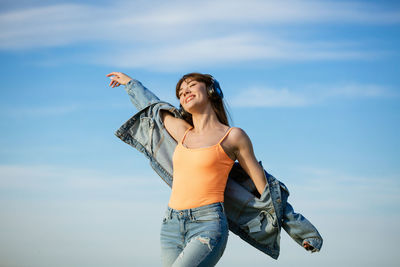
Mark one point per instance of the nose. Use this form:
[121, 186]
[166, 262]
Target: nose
[186, 91]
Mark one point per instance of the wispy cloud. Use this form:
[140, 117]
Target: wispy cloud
[228, 49]
[43, 178]
[165, 35]
[311, 95]
[345, 192]
[123, 20]
[267, 97]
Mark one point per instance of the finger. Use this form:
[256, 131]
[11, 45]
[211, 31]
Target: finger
[112, 73]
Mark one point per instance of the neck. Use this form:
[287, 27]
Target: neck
[205, 120]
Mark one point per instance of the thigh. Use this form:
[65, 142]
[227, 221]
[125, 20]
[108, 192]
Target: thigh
[170, 240]
[207, 241]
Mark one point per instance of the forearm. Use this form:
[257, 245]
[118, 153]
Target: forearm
[260, 180]
[140, 96]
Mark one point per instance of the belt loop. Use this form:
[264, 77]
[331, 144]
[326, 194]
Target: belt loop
[169, 213]
[223, 208]
[190, 214]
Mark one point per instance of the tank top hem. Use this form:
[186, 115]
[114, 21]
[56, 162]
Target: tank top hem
[195, 207]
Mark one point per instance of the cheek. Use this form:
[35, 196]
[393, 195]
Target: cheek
[181, 101]
[203, 92]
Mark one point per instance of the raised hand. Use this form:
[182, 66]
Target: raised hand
[118, 78]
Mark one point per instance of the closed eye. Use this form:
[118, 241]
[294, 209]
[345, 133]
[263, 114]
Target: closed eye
[190, 85]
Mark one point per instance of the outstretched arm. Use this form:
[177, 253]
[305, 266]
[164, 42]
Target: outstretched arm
[140, 96]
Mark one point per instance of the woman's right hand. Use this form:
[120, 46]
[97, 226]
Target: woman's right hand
[118, 78]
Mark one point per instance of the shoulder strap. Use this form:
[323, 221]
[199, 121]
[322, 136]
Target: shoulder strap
[227, 132]
[184, 135]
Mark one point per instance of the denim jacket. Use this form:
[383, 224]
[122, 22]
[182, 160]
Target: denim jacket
[256, 219]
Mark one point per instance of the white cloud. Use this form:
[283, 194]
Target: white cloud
[342, 192]
[358, 90]
[311, 95]
[64, 23]
[267, 97]
[53, 179]
[164, 35]
[235, 48]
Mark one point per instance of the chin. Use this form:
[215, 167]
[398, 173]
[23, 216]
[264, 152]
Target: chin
[193, 105]
[189, 107]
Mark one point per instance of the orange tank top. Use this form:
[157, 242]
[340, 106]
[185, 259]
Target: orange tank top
[199, 175]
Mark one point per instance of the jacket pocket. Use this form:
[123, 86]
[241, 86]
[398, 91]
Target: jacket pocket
[262, 228]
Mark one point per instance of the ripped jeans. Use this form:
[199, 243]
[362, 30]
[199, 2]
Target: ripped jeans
[194, 237]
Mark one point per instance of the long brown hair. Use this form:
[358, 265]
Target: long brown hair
[218, 104]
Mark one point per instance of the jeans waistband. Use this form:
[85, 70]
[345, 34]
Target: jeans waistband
[198, 210]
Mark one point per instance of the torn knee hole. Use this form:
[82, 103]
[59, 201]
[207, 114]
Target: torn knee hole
[204, 240]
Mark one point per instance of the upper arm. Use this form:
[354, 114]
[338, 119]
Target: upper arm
[245, 155]
[176, 127]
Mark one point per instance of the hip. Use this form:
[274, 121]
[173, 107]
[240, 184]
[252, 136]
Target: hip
[188, 222]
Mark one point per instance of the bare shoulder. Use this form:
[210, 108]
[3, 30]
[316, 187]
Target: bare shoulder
[238, 136]
[241, 145]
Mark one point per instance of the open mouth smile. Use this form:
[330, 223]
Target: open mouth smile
[189, 98]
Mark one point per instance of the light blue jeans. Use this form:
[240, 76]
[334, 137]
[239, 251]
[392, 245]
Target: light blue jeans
[194, 237]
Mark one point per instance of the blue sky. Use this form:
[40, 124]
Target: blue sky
[315, 84]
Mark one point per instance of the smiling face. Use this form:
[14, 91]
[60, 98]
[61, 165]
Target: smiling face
[191, 90]
[192, 94]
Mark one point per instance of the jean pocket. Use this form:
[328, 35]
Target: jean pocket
[207, 216]
[166, 217]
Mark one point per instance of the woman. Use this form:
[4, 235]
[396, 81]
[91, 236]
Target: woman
[194, 230]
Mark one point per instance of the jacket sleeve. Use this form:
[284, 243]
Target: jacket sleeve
[140, 96]
[300, 229]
